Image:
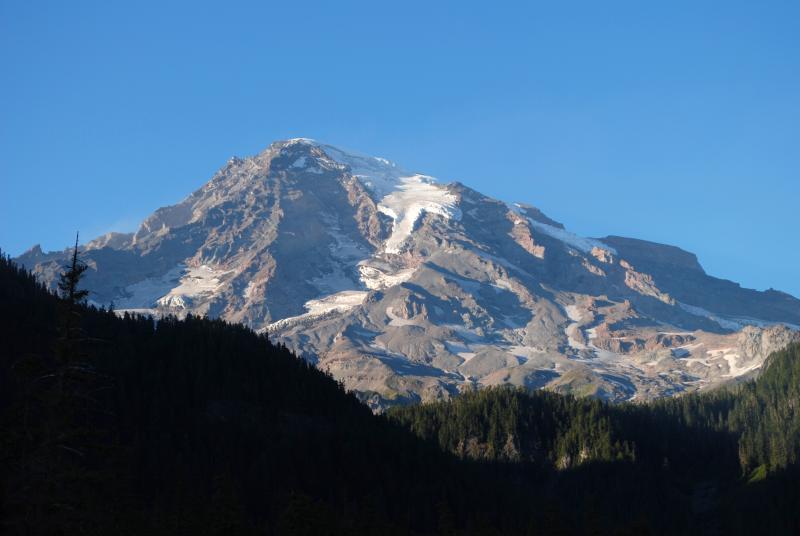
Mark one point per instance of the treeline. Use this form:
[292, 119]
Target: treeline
[124, 425]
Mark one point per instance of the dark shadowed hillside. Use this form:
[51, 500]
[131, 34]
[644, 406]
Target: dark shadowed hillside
[128, 426]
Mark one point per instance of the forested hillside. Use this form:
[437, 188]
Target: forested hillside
[756, 423]
[743, 442]
[129, 426]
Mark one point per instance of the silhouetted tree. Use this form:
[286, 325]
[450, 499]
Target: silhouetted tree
[58, 459]
[71, 278]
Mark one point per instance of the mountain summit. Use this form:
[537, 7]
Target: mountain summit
[409, 289]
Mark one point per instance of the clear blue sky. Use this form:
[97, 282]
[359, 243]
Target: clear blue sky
[677, 122]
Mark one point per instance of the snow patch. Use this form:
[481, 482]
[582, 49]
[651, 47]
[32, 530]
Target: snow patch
[250, 290]
[466, 356]
[723, 322]
[306, 141]
[571, 340]
[578, 242]
[145, 293]
[202, 281]
[732, 358]
[735, 370]
[733, 322]
[144, 312]
[573, 312]
[526, 352]
[320, 307]
[341, 301]
[416, 195]
[375, 279]
[304, 164]
[461, 350]
[379, 175]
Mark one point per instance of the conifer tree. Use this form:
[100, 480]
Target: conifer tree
[69, 280]
[62, 489]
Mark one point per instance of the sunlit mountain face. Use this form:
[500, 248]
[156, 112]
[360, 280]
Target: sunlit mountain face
[407, 288]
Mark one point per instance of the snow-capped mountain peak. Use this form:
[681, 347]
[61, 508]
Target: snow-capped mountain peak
[406, 288]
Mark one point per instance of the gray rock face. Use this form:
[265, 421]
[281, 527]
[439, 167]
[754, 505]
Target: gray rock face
[407, 289]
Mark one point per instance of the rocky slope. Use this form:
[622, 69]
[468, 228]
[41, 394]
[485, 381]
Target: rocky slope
[408, 289]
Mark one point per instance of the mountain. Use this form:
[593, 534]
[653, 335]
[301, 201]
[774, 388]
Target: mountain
[408, 289]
